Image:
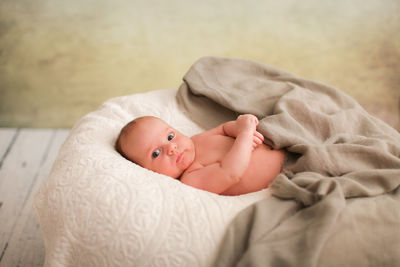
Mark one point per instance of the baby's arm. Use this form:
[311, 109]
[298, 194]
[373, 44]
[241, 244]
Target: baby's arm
[219, 176]
[231, 128]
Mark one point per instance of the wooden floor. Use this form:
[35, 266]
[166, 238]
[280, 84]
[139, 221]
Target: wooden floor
[26, 157]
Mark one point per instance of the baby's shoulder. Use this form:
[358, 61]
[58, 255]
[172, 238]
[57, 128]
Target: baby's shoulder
[200, 138]
[207, 134]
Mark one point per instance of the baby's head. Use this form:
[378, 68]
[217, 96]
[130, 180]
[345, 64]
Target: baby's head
[154, 145]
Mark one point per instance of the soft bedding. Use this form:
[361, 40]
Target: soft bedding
[98, 209]
[337, 202]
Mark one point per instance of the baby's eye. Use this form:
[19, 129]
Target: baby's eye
[156, 153]
[171, 136]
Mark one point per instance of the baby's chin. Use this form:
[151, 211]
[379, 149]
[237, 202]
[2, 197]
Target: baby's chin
[181, 167]
[178, 175]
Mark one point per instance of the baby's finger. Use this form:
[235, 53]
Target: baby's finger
[254, 145]
[259, 135]
[256, 120]
[257, 140]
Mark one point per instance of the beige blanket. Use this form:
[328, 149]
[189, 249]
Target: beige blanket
[337, 202]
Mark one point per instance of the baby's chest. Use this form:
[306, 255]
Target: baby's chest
[213, 149]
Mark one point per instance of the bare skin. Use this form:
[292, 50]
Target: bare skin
[230, 159]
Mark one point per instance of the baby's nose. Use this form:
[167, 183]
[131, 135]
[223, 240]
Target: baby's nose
[171, 148]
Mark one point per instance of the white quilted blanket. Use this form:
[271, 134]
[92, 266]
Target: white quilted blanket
[98, 209]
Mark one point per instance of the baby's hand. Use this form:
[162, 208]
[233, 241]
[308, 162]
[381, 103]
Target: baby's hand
[258, 139]
[249, 122]
[246, 122]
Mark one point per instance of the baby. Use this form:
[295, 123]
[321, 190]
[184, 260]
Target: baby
[230, 159]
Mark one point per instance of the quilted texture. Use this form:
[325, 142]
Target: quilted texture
[98, 209]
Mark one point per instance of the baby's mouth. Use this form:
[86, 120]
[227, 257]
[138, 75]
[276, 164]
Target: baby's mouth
[179, 158]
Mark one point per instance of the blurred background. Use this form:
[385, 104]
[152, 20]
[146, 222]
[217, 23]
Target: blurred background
[61, 59]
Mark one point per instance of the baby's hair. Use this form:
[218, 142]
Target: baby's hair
[124, 132]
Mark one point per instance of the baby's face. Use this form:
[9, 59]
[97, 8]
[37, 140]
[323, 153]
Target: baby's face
[156, 146]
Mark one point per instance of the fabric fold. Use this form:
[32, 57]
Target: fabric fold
[340, 158]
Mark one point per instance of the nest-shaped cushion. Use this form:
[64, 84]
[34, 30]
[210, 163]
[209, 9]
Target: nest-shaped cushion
[99, 209]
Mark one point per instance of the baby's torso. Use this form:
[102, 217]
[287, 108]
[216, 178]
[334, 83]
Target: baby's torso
[265, 163]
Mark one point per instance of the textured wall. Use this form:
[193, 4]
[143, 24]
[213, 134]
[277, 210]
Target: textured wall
[61, 59]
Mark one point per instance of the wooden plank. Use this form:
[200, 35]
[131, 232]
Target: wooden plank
[17, 176]
[25, 247]
[7, 137]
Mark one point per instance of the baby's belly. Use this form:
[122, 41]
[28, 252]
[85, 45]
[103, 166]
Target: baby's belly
[265, 165]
